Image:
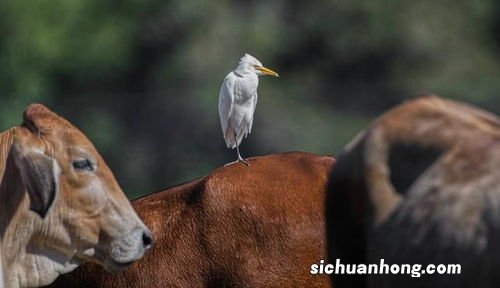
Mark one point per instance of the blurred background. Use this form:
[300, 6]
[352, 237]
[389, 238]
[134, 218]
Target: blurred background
[141, 78]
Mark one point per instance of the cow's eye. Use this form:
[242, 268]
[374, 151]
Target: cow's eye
[83, 165]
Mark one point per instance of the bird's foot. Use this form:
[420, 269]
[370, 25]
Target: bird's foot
[240, 159]
[244, 161]
[230, 163]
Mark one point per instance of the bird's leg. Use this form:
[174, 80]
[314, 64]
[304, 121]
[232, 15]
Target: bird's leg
[240, 159]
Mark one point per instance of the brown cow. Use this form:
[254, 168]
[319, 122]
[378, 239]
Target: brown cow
[257, 226]
[60, 204]
[420, 186]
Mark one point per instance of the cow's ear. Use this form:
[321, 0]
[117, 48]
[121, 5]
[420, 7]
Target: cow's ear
[408, 161]
[39, 174]
[38, 118]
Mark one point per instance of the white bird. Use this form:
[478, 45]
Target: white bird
[237, 101]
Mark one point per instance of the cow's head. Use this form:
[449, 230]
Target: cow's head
[411, 188]
[82, 211]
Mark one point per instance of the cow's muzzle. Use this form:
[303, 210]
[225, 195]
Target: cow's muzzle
[125, 250]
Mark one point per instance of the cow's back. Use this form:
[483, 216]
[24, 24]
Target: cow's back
[257, 226]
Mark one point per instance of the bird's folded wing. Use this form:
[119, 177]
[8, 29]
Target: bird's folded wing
[226, 100]
[254, 99]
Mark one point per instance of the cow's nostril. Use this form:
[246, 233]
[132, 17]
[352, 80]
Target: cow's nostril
[147, 239]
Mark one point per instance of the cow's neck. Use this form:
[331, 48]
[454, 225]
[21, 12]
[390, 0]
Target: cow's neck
[6, 139]
[172, 216]
[26, 262]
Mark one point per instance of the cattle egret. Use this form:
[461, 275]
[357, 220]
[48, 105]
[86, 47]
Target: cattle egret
[237, 101]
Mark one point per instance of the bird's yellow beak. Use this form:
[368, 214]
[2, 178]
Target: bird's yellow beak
[267, 71]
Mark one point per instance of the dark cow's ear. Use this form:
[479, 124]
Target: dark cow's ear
[39, 175]
[408, 161]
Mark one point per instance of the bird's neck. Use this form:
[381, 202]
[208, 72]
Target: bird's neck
[243, 70]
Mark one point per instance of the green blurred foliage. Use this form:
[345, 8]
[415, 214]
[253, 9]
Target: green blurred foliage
[141, 78]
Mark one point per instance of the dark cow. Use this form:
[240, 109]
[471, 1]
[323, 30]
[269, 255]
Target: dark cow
[420, 186]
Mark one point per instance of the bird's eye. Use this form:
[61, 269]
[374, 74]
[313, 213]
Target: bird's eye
[83, 165]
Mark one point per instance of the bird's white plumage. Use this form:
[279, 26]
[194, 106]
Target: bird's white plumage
[237, 101]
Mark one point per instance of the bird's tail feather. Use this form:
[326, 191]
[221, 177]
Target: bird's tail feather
[229, 137]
